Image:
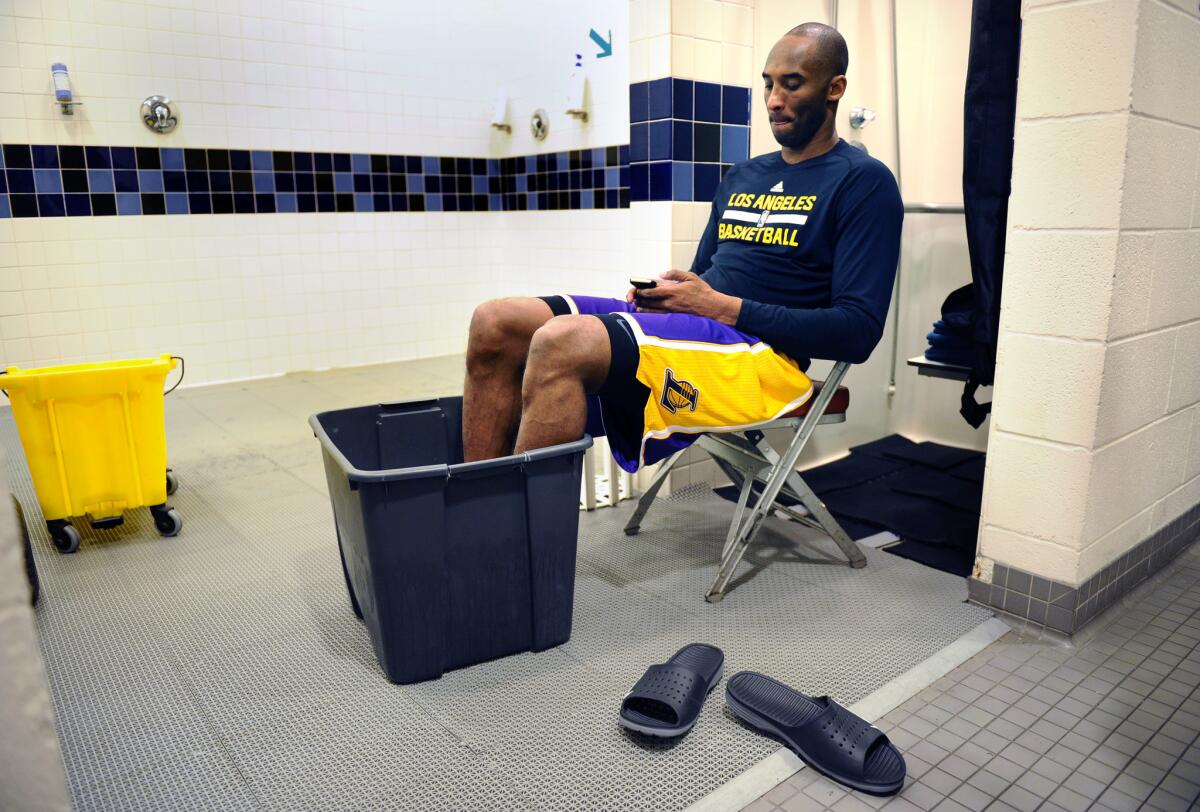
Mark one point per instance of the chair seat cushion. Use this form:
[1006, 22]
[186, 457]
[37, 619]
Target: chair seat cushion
[839, 404]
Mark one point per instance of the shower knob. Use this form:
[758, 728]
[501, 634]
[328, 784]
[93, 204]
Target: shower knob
[157, 114]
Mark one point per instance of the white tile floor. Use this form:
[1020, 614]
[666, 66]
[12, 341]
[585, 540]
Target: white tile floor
[1108, 721]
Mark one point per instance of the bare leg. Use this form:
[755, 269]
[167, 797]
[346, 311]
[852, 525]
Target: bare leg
[496, 349]
[568, 358]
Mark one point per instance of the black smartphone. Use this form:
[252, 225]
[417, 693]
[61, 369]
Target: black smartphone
[640, 283]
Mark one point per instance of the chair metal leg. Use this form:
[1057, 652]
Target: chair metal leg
[774, 483]
[816, 507]
[635, 521]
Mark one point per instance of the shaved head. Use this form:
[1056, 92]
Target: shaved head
[827, 53]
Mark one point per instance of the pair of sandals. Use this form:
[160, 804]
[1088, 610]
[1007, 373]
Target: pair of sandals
[667, 701]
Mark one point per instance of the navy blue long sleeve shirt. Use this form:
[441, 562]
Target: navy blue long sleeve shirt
[810, 248]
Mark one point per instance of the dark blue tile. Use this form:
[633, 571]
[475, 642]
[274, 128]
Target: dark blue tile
[639, 142]
[45, 156]
[681, 140]
[20, 181]
[660, 141]
[623, 152]
[705, 178]
[322, 162]
[98, 157]
[708, 102]
[174, 181]
[17, 156]
[75, 181]
[735, 143]
[382, 202]
[147, 157]
[360, 162]
[706, 141]
[430, 166]
[5, 210]
[639, 101]
[682, 94]
[364, 202]
[433, 202]
[302, 161]
[220, 181]
[3, 183]
[735, 105]
[343, 182]
[123, 158]
[362, 183]
[659, 99]
[280, 161]
[222, 203]
[660, 180]
[78, 205]
[412, 165]
[243, 203]
[305, 183]
[126, 180]
[200, 203]
[70, 157]
[197, 159]
[239, 160]
[23, 205]
[51, 206]
[153, 203]
[264, 203]
[341, 162]
[103, 205]
[285, 182]
[416, 184]
[306, 203]
[260, 161]
[326, 202]
[286, 202]
[639, 182]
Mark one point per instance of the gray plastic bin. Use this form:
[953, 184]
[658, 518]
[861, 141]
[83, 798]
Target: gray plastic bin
[449, 563]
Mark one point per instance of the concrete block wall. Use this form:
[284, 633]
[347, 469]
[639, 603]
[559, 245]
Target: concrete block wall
[1096, 424]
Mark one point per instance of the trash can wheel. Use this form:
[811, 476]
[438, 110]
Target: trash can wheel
[172, 482]
[65, 537]
[167, 520]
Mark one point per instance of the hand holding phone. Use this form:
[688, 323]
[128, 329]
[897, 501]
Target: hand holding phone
[641, 283]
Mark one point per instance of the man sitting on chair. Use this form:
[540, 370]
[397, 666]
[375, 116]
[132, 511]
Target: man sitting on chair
[797, 261]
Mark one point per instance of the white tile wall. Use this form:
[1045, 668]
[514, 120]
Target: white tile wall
[294, 74]
[247, 295]
[241, 295]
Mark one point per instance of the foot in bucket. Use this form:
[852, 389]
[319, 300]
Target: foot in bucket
[828, 737]
[667, 700]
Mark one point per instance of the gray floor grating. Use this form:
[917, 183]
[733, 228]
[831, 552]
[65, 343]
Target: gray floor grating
[223, 669]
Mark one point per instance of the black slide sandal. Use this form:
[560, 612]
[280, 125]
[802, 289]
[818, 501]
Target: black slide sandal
[828, 737]
[667, 700]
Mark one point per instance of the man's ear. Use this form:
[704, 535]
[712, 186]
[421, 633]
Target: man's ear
[837, 88]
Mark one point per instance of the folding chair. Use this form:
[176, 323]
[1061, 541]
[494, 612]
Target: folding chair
[746, 457]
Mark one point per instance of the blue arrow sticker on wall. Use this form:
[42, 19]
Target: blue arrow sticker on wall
[605, 45]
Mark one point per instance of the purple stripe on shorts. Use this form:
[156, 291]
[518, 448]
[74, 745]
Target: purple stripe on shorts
[668, 326]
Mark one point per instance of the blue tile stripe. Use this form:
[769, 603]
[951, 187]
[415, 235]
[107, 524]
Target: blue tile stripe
[45, 180]
[683, 136]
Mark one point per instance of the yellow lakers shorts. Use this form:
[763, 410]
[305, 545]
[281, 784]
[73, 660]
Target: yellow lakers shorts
[675, 376]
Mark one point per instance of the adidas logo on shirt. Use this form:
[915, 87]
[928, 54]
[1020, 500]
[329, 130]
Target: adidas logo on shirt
[778, 187]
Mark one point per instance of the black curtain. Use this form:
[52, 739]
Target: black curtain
[990, 113]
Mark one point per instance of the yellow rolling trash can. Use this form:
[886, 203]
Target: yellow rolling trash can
[96, 443]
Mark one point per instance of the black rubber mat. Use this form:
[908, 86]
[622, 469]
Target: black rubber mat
[927, 494]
